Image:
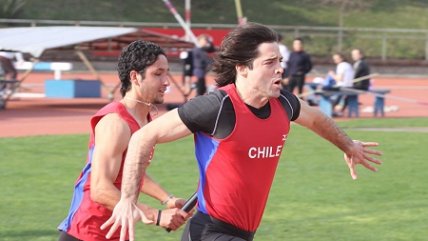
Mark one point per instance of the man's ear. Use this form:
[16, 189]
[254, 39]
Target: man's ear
[241, 70]
[134, 77]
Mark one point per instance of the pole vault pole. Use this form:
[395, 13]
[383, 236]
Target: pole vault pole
[188, 16]
[181, 21]
[239, 13]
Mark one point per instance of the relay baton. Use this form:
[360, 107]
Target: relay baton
[188, 205]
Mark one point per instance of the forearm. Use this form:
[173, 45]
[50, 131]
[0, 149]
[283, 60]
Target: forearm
[136, 162]
[153, 189]
[315, 120]
[328, 129]
[166, 128]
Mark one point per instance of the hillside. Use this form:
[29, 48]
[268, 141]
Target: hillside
[383, 46]
[381, 13]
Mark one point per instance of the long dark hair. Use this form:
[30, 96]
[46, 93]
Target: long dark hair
[240, 47]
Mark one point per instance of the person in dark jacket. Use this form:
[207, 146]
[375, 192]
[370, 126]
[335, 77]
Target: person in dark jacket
[361, 68]
[201, 62]
[298, 65]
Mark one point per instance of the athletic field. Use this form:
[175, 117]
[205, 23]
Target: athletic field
[313, 197]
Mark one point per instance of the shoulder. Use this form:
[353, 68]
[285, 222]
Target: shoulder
[305, 54]
[349, 67]
[364, 63]
[213, 98]
[112, 128]
[340, 66]
[112, 120]
[201, 112]
[344, 65]
[113, 109]
[290, 103]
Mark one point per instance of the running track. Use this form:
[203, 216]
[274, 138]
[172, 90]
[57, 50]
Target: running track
[43, 116]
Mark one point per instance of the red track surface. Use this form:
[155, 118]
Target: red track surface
[44, 116]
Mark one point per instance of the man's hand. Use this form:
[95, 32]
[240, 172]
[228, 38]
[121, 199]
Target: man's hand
[361, 154]
[126, 214]
[173, 218]
[175, 202]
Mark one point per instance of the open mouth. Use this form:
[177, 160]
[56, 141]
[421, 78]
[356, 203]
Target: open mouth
[277, 82]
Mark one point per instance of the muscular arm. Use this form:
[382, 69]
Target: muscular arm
[166, 128]
[126, 213]
[355, 152]
[313, 119]
[111, 138]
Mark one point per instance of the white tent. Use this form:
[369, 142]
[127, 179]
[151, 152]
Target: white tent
[35, 40]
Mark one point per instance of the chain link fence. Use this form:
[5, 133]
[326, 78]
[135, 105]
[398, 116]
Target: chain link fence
[377, 43]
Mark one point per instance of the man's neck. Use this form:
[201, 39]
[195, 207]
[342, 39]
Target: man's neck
[138, 109]
[250, 96]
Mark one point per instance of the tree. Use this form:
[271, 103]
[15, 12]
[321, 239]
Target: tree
[11, 8]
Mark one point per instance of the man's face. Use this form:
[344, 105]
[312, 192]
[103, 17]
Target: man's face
[265, 76]
[356, 55]
[155, 82]
[337, 59]
[297, 45]
[203, 42]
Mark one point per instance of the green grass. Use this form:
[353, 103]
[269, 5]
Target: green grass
[385, 122]
[313, 196]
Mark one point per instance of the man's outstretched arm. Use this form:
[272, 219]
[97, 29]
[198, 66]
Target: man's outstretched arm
[355, 152]
[126, 213]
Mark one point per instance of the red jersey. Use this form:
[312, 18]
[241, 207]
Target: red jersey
[86, 216]
[236, 172]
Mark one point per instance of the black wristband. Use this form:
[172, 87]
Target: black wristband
[159, 217]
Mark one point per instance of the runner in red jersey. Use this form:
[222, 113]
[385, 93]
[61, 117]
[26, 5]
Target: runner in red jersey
[239, 134]
[143, 70]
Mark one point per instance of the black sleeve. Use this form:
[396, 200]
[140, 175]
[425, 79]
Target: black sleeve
[291, 104]
[200, 113]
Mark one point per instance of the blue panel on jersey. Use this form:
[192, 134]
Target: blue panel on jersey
[205, 147]
[78, 193]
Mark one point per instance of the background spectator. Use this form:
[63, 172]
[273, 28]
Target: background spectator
[201, 62]
[285, 53]
[298, 65]
[361, 68]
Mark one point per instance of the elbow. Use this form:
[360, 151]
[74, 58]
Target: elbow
[143, 137]
[139, 136]
[97, 194]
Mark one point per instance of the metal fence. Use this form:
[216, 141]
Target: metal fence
[382, 43]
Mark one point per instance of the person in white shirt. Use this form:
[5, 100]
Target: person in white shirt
[344, 77]
[285, 53]
[344, 74]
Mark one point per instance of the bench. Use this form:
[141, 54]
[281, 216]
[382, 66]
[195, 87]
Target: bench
[326, 105]
[379, 104]
[56, 67]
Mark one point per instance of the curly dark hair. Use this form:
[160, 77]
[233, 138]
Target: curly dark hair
[240, 47]
[137, 56]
